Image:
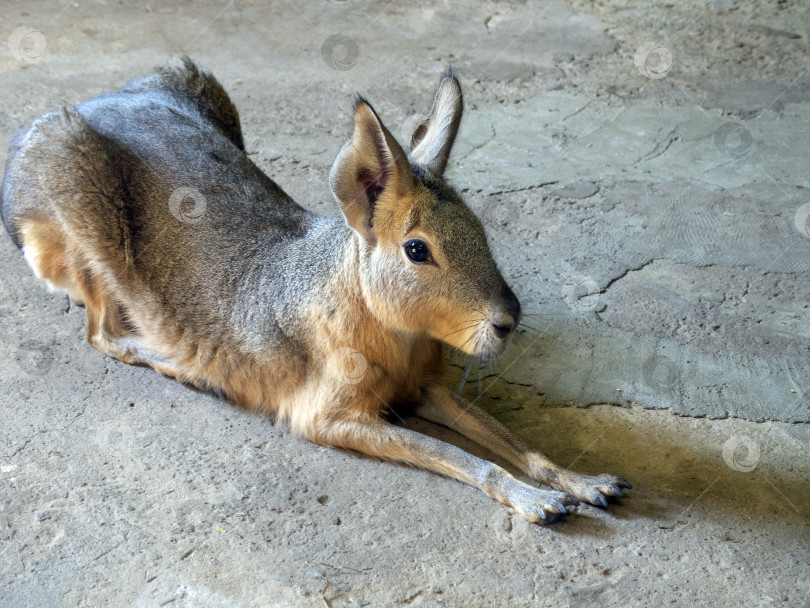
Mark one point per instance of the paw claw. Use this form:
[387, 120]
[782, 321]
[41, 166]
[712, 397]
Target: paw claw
[544, 506]
[610, 490]
[595, 490]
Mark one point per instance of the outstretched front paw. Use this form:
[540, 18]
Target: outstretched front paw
[594, 490]
[543, 506]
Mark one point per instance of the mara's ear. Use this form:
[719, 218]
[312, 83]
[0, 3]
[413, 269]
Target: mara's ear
[369, 165]
[433, 138]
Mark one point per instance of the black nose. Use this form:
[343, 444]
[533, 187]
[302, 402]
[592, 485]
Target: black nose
[503, 327]
[511, 302]
[504, 323]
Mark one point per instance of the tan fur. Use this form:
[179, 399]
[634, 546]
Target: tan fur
[331, 351]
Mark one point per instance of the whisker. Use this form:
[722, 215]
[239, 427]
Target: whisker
[455, 331]
[527, 326]
[520, 339]
[464, 379]
[471, 337]
[480, 379]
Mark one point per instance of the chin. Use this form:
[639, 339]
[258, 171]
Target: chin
[492, 350]
[483, 344]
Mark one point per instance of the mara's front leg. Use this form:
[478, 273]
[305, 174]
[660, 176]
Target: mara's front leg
[378, 438]
[440, 406]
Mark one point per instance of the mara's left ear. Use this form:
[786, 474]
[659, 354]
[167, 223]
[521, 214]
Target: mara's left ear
[368, 166]
[433, 138]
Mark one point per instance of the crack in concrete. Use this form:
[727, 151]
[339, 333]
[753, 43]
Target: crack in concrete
[98, 557]
[586, 197]
[525, 188]
[654, 152]
[27, 441]
[481, 145]
[90, 393]
[641, 266]
[564, 118]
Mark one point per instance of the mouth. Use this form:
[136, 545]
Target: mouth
[486, 341]
[483, 335]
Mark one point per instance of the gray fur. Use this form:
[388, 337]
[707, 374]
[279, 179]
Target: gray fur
[147, 140]
[244, 282]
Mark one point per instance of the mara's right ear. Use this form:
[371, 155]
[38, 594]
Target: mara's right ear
[370, 164]
[434, 136]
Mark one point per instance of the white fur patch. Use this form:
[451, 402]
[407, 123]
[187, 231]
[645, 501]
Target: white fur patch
[32, 256]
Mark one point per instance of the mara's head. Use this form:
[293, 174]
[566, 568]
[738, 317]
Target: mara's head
[425, 263]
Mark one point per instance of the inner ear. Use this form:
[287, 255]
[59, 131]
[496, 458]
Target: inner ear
[369, 164]
[372, 186]
[419, 133]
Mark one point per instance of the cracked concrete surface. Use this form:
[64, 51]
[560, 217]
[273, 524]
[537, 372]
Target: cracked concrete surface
[648, 211]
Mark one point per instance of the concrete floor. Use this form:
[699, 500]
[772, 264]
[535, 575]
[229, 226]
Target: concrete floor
[648, 206]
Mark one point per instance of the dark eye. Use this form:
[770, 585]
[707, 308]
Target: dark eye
[417, 251]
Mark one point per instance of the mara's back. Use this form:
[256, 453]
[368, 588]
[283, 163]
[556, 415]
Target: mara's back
[152, 187]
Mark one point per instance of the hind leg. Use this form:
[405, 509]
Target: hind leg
[132, 350]
[110, 331]
[43, 246]
[108, 328]
[45, 250]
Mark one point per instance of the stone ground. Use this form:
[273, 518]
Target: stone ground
[649, 204]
